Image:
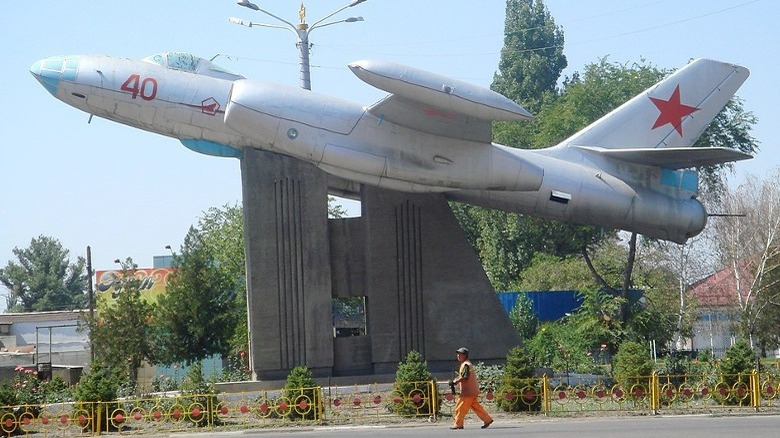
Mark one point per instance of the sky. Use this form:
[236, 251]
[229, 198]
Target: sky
[129, 193]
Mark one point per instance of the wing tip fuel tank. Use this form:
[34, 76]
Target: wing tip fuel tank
[439, 91]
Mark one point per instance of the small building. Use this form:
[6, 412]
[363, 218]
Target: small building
[718, 312]
[50, 342]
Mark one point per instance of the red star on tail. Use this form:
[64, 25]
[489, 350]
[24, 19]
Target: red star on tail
[672, 111]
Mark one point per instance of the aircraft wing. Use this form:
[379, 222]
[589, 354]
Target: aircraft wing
[672, 158]
[436, 104]
[417, 115]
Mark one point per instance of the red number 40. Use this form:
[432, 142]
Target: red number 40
[146, 88]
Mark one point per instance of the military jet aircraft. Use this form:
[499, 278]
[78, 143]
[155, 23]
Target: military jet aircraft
[633, 169]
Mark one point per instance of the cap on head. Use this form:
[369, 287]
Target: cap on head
[463, 350]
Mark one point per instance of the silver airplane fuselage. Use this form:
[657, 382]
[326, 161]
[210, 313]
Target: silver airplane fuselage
[215, 112]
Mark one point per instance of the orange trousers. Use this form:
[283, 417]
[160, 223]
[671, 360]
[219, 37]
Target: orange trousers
[462, 408]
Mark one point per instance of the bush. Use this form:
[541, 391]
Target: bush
[735, 369]
[55, 391]
[412, 392]
[632, 365]
[489, 376]
[523, 318]
[196, 390]
[302, 394]
[99, 384]
[520, 390]
[7, 394]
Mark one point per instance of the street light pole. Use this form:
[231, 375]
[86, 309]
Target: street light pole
[302, 31]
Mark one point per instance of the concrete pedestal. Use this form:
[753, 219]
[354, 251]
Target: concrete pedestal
[425, 289]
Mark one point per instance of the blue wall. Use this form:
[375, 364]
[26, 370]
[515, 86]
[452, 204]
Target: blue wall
[552, 305]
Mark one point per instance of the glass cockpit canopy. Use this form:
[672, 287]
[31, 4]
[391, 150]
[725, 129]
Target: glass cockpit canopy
[190, 63]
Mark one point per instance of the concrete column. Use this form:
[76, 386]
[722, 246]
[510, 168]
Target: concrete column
[425, 286]
[288, 265]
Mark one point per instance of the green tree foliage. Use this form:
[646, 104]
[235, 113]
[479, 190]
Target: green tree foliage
[195, 318]
[561, 346]
[100, 383]
[302, 394]
[632, 365]
[532, 58]
[122, 334]
[523, 318]
[412, 378]
[197, 391]
[730, 129]
[222, 236]
[598, 321]
[44, 278]
[735, 368]
[517, 378]
[738, 359]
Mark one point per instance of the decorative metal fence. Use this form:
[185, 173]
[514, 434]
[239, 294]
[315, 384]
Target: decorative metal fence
[165, 414]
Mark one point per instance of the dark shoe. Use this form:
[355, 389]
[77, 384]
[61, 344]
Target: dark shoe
[486, 425]
[455, 427]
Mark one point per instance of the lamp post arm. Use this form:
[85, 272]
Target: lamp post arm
[275, 26]
[333, 13]
[346, 20]
[292, 26]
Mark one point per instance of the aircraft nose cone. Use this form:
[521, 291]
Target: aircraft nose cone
[50, 71]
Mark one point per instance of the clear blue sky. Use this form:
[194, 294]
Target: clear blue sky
[127, 192]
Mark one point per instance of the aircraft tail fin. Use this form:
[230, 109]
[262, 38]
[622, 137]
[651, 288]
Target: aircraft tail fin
[671, 114]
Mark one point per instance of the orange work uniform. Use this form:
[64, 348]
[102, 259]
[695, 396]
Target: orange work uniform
[469, 393]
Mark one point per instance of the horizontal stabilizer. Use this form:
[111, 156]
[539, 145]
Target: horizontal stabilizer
[672, 158]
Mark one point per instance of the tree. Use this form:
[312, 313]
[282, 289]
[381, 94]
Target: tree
[531, 63]
[768, 325]
[689, 262]
[632, 365]
[532, 58]
[196, 315]
[518, 383]
[221, 232]
[598, 321]
[749, 246]
[44, 278]
[302, 394]
[122, 332]
[412, 387]
[523, 319]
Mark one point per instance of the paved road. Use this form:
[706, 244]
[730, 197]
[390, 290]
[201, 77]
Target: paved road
[687, 426]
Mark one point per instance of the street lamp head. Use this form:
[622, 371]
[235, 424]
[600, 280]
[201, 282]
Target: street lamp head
[250, 5]
[353, 19]
[235, 20]
[117, 261]
[354, 3]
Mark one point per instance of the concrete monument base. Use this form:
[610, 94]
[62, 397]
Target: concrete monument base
[423, 286]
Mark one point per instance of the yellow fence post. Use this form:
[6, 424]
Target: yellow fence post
[545, 396]
[98, 417]
[319, 404]
[755, 390]
[655, 393]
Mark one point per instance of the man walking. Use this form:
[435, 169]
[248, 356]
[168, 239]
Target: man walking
[469, 392]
